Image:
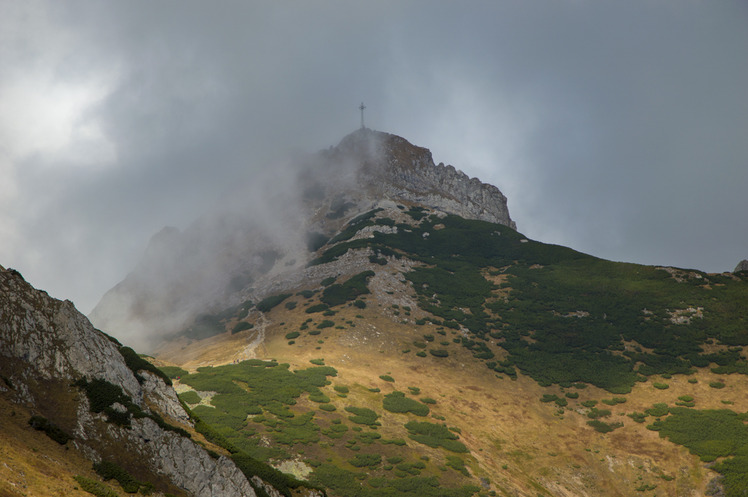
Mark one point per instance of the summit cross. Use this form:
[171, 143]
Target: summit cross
[362, 107]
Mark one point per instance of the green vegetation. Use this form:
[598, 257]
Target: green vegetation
[366, 460]
[596, 413]
[398, 402]
[137, 364]
[316, 308]
[602, 426]
[102, 396]
[319, 397]
[658, 410]
[350, 290]
[190, 397]
[562, 317]
[560, 401]
[387, 377]
[325, 324]
[108, 470]
[173, 371]
[456, 463]
[241, 326]
[260, 387]
[50, 429]
[94, 487]
[578, 310]
[638, 417]
[712, 434]
[614, 401]
[251, 467]
[363, 416]
[266, 304]
[434, 436]
[348, 484]
[685, 401]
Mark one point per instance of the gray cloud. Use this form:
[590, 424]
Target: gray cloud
[617, 129]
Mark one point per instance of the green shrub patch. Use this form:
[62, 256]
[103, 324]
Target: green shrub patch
[602, 426]
[94, 487]
[363, 416]
[434, 436]
[241, 326]
[50, 429]
[370, 461]
[266, 304]
[355, 286]
[190, 397]
[109, 470]
[316, 308]
[399, 403]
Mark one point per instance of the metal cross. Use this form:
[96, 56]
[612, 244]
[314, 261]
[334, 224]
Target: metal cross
[362, 107]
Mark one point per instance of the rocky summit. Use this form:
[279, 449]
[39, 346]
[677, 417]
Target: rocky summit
[223, 258]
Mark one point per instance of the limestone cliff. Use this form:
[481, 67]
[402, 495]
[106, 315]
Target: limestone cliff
[46, 345]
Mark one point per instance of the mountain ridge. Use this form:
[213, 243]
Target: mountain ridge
[220, 258]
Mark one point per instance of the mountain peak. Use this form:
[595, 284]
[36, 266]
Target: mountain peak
[225, 257]
[389, 166]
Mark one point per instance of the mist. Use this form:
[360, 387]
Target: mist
[616, 129]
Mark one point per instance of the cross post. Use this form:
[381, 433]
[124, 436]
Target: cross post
[362, 107]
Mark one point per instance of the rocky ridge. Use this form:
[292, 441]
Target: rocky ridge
[45, 344]
[220, 260]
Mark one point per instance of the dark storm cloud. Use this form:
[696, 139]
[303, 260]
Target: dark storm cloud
[616, 129]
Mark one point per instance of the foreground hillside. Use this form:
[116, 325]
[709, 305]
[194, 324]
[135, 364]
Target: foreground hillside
[80, 413]
[421, 353]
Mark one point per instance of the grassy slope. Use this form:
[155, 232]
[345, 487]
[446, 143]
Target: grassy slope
[32, 463]
[530, 311]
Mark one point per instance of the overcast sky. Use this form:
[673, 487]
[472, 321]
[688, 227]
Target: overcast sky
[617, 128]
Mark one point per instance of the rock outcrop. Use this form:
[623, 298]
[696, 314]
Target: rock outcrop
[742, 266]
[391, 167]
[46, 345]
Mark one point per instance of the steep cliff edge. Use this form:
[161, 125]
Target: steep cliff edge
[110, 406]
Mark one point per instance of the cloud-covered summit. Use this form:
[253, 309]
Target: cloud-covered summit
[617, 128]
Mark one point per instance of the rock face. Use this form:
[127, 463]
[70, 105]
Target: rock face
[742, 266]
[391, 167]
[222, 259]
[45, 345]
